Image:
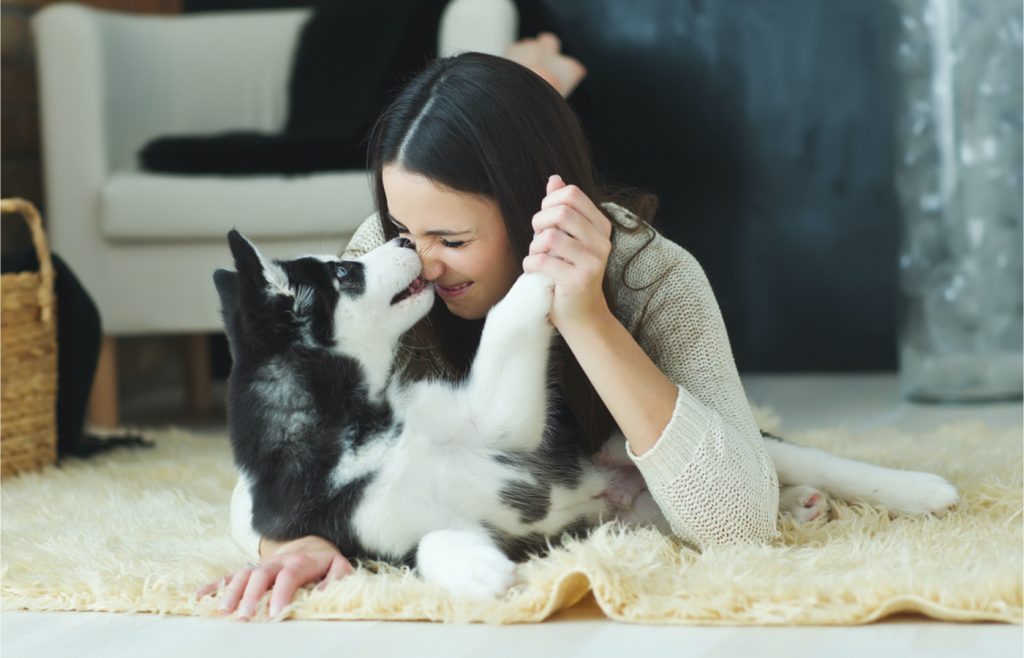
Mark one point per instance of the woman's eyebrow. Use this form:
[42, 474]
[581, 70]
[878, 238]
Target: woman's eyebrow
[436, 232]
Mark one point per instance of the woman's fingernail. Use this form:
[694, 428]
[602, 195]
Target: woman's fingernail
[275, 610]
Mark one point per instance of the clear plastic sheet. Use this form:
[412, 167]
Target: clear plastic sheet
[959, 180]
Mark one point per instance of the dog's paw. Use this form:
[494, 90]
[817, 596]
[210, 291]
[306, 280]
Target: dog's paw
[465, 563]
[528, 301]
[921, 493]
[803, 503]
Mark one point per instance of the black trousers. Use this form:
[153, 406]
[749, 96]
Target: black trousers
[78, 345]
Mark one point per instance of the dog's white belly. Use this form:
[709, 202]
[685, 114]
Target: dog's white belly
[419, 490]
[429, 485]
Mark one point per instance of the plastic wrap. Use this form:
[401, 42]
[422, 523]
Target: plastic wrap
[958, 176]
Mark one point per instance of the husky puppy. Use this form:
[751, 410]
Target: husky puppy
[459, 480]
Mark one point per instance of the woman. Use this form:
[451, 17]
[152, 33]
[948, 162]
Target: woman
[483, 166]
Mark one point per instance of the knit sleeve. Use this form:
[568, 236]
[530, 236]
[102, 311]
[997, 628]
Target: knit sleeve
[367, 237]
[709, 471]
[241, 520]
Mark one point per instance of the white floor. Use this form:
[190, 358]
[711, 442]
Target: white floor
[802, 401]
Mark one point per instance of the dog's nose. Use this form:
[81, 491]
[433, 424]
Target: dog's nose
[406, 243]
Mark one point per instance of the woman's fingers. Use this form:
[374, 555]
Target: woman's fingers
[340, 568]
[568, 246]
[233, 592]
[554, 267]
[555, 182]
[573, 197]
[566, 220]
[557, 244]
[210, 588]
[288, 580]
[259, 582]
[584, 265]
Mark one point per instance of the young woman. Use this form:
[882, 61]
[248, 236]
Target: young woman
[483, 166]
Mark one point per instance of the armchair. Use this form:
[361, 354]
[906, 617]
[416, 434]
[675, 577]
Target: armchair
[145, 244]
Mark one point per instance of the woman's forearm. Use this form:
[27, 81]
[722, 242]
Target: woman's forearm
[639, 396]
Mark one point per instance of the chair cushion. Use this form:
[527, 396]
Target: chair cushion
[154, 207]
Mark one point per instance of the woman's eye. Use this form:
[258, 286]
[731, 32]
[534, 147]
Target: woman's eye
[340, 271]
[453, 245]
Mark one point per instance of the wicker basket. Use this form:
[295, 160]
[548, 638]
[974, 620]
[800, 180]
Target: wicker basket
[28, 357]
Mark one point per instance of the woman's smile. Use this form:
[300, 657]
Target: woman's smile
[450, 292]
[460, 237]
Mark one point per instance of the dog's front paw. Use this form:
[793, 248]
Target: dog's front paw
[528, 302]
[466, 563]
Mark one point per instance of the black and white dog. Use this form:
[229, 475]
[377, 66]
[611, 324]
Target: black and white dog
[460, 480]
[454, 479]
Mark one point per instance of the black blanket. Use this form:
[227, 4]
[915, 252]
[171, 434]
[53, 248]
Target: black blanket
[351, 56]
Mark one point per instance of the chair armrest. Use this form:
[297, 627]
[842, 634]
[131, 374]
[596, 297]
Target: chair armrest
[150, 75]
[69, 59]
[486, 26]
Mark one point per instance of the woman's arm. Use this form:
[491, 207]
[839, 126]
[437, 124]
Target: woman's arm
[677, 399]
[638, 395]
[572, 244]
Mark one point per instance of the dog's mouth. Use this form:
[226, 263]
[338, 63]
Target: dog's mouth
[418, 285]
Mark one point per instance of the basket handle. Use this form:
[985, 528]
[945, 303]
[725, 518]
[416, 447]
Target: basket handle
[35, 226]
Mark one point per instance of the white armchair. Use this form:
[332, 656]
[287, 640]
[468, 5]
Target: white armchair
[145, 244]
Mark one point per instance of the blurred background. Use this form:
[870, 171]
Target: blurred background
[847, 172]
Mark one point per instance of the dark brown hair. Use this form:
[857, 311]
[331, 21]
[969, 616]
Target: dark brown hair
[484, 125]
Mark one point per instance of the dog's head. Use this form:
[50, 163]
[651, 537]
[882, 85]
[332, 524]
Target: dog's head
[344, 306]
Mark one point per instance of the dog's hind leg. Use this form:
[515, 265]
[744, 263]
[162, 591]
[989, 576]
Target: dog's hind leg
[904, 492]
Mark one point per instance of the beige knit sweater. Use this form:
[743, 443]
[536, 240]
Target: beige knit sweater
[709, 471]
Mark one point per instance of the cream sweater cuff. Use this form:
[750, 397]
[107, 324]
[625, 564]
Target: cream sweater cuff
[662, 465]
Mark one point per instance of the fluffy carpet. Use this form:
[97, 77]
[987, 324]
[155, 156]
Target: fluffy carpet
[141, 530]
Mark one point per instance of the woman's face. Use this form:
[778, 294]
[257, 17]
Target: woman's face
[460, 238]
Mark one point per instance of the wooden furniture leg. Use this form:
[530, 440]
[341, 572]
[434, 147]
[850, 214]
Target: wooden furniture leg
[198, 387]
[103, 411]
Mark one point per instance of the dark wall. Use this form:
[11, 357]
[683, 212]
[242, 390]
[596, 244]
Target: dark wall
[765, 129]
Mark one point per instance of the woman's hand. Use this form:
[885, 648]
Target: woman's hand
[294, 564]
[571, 244]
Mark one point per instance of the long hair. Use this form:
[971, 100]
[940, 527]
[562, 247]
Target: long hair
[484, 125]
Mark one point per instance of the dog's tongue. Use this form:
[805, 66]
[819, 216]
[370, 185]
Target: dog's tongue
[417, 285]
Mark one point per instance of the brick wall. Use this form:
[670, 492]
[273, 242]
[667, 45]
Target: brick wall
[21, 171]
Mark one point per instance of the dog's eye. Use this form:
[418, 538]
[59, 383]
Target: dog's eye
[340, 271]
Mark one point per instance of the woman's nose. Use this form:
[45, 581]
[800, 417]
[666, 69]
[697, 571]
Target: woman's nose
[432, 268]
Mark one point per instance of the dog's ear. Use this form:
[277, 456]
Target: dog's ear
[254, 271]
[226, 283]
[247, 259]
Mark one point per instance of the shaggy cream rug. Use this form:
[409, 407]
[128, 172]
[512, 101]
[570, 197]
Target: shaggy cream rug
[141, 530]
